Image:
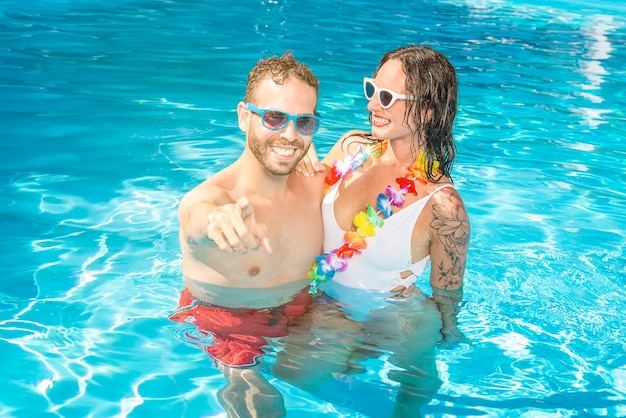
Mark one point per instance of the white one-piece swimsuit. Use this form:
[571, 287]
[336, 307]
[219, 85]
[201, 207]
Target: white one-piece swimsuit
[388, 253]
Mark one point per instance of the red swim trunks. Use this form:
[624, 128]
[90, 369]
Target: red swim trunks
[239, 333]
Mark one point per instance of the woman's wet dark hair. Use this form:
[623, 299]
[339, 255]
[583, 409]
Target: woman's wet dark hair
[431, 78]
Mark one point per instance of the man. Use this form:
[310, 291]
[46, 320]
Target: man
[249, 233]
[257, 223]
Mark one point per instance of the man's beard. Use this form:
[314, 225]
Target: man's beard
[277, 168]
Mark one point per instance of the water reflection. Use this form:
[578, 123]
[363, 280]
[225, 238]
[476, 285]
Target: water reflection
[381, 365]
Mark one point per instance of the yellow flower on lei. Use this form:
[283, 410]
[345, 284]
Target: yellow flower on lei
[363, 226]
[365, 222]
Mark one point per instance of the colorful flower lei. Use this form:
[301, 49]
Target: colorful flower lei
[365, 222]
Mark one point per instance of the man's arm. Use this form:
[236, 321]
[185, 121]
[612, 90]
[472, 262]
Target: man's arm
[209, 217]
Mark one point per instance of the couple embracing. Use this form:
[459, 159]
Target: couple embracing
[279, 241]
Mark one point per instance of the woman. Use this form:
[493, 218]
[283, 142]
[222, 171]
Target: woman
[390, 207]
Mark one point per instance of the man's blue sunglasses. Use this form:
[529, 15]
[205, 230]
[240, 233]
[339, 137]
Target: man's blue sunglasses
[276, 120]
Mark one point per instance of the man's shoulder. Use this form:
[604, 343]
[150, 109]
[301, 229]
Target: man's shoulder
[214, 190]
[313, 185]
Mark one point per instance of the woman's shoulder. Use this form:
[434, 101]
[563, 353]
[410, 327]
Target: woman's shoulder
[354, 138]
[348, 143]
[357, 133]
[448, 208]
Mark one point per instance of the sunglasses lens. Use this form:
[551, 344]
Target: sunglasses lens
[275, 120]
[370, 89]
[306, 125]
[386, 98]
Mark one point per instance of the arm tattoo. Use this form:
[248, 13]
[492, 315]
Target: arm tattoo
[452, 226]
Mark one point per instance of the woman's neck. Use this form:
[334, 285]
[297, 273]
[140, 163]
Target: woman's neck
[401, 152]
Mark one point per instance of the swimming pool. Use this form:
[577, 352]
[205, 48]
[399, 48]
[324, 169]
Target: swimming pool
[112, 110]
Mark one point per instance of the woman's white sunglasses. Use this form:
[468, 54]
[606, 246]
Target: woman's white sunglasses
[386, 97]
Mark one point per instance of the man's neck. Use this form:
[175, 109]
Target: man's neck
[253, 178]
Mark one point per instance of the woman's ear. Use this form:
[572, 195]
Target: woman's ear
[243, 116]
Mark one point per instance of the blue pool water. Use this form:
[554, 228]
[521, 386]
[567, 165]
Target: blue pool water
[111, 110]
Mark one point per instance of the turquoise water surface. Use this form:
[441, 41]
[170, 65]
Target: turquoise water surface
[110, 111]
